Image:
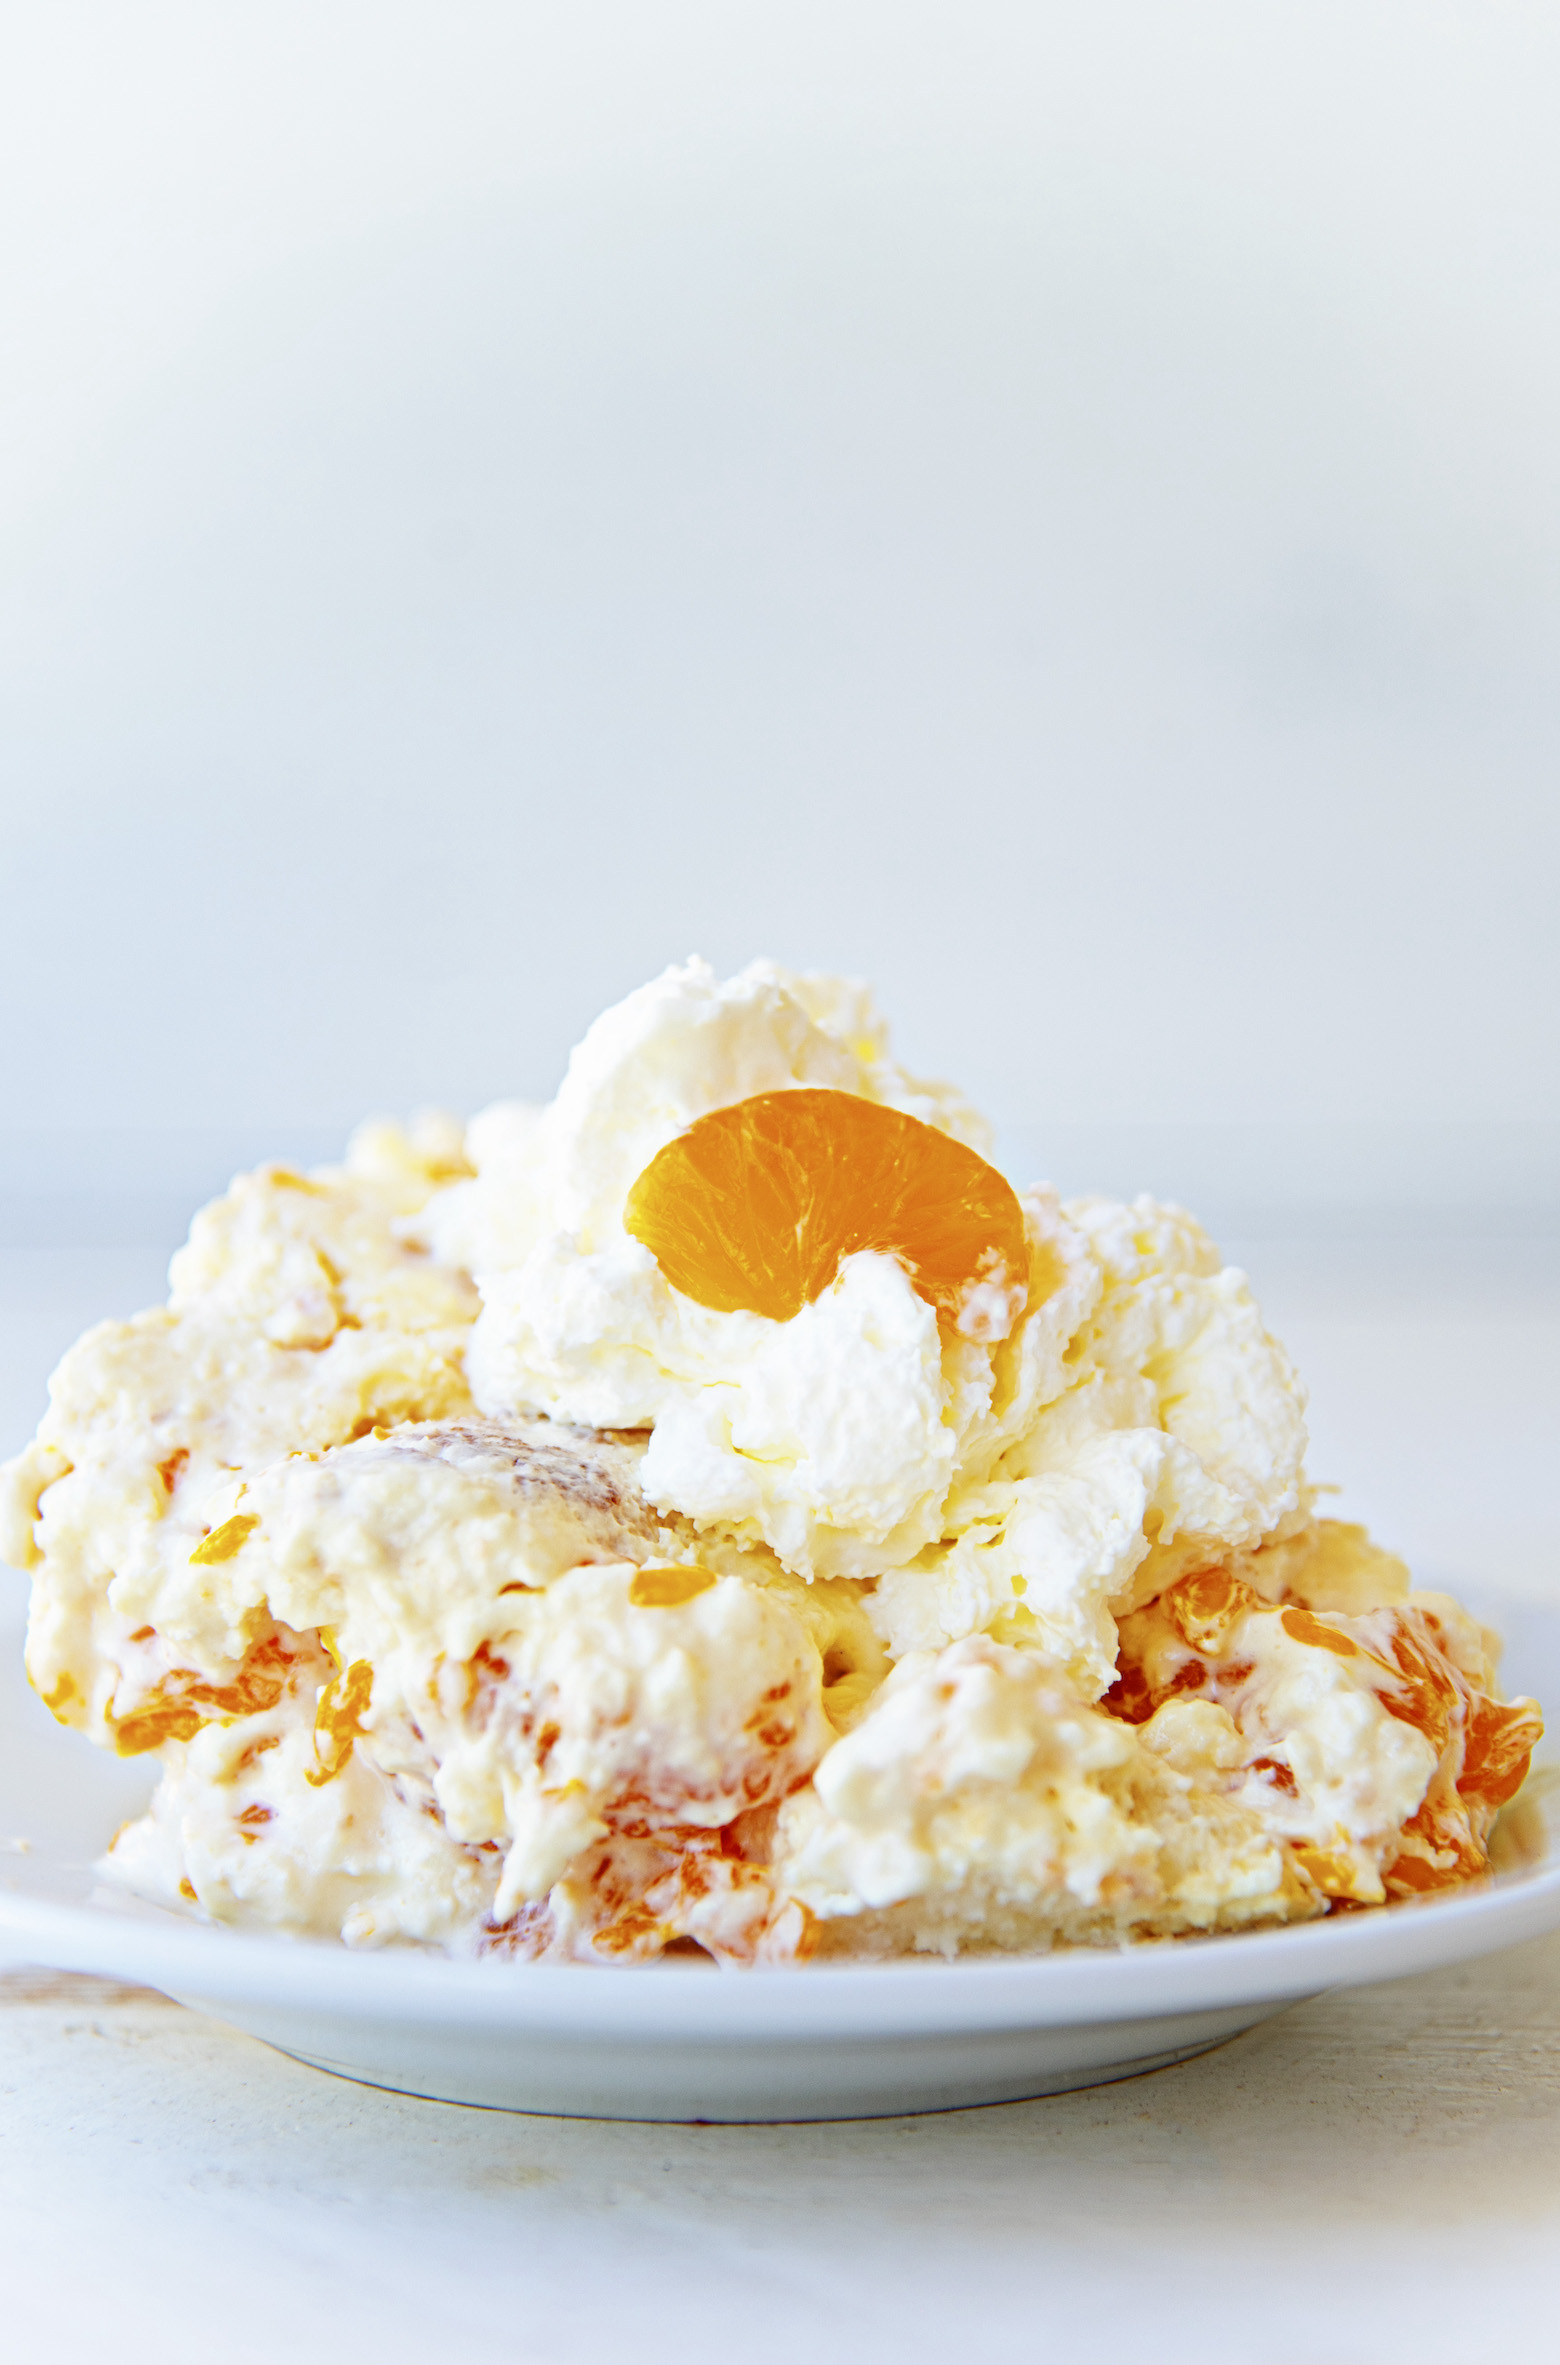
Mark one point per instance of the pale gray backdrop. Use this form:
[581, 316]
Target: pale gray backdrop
[1055, 507]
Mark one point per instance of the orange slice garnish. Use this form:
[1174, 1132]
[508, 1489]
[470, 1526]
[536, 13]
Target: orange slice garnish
[754, 1207]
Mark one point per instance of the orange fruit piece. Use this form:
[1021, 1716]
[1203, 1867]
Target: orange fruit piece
[753, 1207]
[1498, 1740]
[661, 1586]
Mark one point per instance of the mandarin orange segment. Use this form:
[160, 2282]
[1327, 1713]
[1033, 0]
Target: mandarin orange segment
[1303, 1625]
[148, 1728]
[183, 1701]
[1427, 1693]
[662, 1586]
[1499, 1739]
[1204, 1606]
[1332, 1869]
[1410, 1875]
[752, 1209]
[338, 1720]
[224, 1541]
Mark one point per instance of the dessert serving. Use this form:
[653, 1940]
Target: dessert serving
[717, 1512]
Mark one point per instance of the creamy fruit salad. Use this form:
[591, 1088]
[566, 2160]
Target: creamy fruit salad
[717, 1512]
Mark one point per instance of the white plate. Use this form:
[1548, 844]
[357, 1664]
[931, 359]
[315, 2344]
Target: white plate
[683, 2041]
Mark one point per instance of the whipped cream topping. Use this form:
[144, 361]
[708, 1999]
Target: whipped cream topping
[1139, 1407]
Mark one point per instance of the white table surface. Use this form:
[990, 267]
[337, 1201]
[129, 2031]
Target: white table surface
[1373, 2176]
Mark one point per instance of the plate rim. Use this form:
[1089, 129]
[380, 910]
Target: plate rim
[1077, 1986]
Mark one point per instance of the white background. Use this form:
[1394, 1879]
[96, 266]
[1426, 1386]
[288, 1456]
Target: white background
[1055, 507]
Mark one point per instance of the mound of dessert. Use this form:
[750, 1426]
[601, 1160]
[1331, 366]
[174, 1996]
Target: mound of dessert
[716, 1511]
